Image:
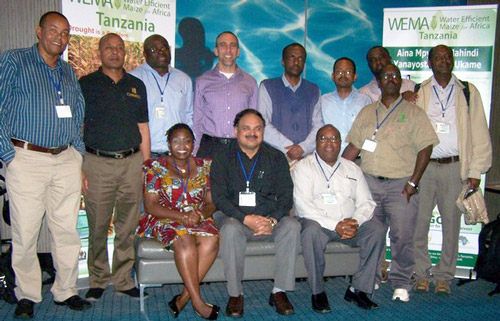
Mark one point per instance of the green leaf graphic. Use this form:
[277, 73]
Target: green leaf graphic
[118, 4]
[434, 22]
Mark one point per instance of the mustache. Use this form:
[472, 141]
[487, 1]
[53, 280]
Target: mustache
[251, 136]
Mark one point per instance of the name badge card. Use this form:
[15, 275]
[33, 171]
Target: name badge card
[160, 112]
[442, 128]
[329, 198]
[369, 145]
[247, 199]
[63, 111]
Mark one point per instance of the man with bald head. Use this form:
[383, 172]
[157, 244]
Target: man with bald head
[116, 138]
[41, 118]
[333, 203]
[169, 91]
[463, 154]
[394, 139]
[377, 57]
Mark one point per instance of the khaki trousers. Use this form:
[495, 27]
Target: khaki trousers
[41, 184]
[113, 184]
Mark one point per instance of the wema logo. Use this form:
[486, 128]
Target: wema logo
[409, 23]
[102, 3]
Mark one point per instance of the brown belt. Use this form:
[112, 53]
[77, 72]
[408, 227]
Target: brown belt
[445, 160]
[35, 148]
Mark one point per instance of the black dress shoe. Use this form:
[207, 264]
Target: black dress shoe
[234, 308]
[320, 303]
[360, 298]
[75, 303]
[172, 307]
[94, 294]
[24, 309]
[134, 293]
[214, 314]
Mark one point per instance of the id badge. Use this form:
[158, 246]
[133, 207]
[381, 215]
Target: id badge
[63, 111]
[247, 199]
[329, 198]
[442, 128]
[160, 112]
[369, 145]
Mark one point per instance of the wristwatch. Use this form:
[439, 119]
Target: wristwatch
[273, 221]
[415, 186]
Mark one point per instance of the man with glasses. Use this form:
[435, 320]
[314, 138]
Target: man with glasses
[340, 107]
[169, 91]
[291, 106]
[41, 119]
[333, 203]
[394, 138]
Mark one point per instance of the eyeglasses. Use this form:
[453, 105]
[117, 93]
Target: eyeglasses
[333, 139]
[343, 72]
[154, 50]
[390, 75]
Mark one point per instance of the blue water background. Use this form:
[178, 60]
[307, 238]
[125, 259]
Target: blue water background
[335, 28]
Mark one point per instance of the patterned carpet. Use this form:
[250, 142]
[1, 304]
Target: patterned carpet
[467, 302]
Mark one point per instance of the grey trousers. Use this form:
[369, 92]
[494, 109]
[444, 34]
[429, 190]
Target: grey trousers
[234, 236]
[441, 185]
[395, 212]
[314, 238]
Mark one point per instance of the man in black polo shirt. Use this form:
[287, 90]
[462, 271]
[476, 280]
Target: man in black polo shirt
[252, 188]
[116, 129]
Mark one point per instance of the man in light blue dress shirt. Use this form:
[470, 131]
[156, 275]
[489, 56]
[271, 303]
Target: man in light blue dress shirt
[340, 107]
[169, 91]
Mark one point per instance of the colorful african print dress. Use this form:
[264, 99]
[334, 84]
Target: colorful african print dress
[158, 180]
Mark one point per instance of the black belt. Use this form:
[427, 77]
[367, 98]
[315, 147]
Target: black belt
[121, 154]
[225, 141]
[35, 148]
[382, 178]
[158, 154]
[445, 160]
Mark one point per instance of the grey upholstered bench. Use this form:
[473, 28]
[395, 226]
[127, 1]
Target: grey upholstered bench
[154, 266]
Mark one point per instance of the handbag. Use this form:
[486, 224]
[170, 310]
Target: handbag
[471, 203]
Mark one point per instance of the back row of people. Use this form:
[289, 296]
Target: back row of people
[394, 138]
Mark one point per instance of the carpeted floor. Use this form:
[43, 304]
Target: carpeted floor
[467, 302]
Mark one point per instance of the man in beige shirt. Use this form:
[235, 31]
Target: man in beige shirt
[395, 140]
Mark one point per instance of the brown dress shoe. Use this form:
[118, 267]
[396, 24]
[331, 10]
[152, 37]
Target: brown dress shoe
[234, 308]
[280, 302]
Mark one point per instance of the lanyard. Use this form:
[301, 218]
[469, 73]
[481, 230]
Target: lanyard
[385, 118]
[184, 184]
[57, 85]
[323, 171]
[164, 87]
[444, 108]
[247, 177]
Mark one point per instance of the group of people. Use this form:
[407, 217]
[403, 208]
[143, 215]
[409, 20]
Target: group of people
[260, 151]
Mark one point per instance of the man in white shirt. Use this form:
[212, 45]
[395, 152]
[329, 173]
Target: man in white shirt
[333, 203]
[377, 57]
[340, 107]
[169, 91]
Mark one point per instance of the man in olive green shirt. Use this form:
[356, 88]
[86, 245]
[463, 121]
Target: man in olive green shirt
[394, 138]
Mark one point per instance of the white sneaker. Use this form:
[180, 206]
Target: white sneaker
[401, 295]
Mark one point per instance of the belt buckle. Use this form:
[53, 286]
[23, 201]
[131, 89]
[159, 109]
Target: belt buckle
[119, 156]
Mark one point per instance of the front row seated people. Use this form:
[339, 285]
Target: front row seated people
[253, 190]
[333, 203]
[179, 207]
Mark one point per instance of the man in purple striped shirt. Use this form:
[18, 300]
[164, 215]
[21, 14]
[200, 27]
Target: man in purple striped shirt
[219, 95]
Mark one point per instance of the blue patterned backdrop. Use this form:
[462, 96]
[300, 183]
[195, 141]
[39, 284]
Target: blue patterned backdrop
[335, 28]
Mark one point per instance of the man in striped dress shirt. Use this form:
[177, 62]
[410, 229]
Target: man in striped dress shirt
[41, 115]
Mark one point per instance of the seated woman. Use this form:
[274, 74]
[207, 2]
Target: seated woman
[178, 214]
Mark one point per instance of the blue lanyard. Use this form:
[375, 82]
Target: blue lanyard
[184, 184]
[444, 108]
[323, 171]
[57, 85]
[164, 87]
[247, 177]
[385, 118]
